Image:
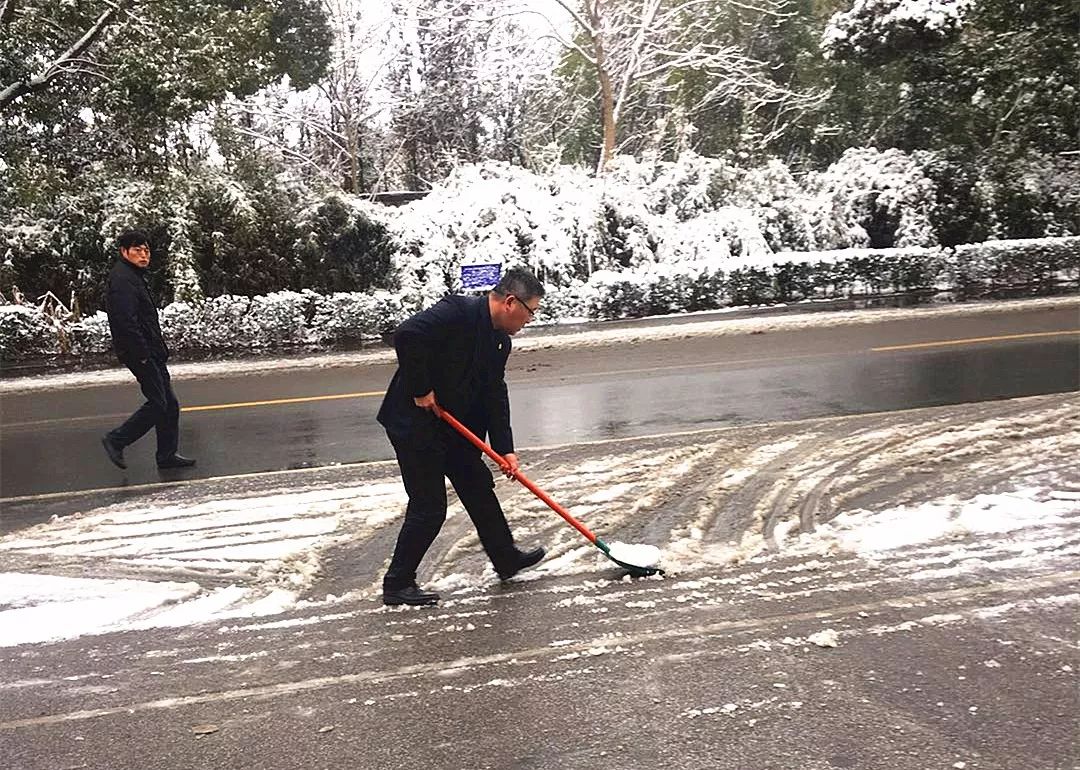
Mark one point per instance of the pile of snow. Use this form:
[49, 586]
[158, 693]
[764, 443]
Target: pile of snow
[257, 555]
[637, 555]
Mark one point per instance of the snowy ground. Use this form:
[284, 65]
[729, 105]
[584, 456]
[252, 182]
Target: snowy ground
[948, 488]
[973, 488]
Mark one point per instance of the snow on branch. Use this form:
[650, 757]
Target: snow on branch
[877, 31]
[71, 60]
[637, 48]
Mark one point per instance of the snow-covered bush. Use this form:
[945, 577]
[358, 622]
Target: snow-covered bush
[751, 286]
[26, 332]
[613, 294]
[90, 335]
[273, 320]
[680, 189]
[281, 320]
[720, 238]
[347, 317]
[674, 212]
[681, 288]
[653, 289]
[494, 213]
[1039, 264]
[773, 195]
[876, 31]
[568, 226]
[630, 234]
[182, 325]
[1034, 196]
[845, 272]
[278, 319]
[345, 246]
[223, 323]
[55, 246]
[569, 302]
[872, 199]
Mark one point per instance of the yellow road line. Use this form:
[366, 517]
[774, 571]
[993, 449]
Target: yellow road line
[380, 393]
[571, 376]
[200, 408]
[974, 340]
[277, 401]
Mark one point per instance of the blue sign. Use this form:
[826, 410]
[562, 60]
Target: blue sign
[480, 276]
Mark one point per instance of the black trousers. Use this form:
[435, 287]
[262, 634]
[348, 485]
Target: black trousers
[161, 410]
[423, 469]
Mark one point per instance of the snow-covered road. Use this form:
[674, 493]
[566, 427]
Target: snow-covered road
[962, 483]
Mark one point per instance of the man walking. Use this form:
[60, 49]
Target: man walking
[140, 346]
[454, 354]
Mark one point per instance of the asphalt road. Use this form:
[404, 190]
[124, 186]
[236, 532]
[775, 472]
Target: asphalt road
[717, 672]
[49, 441]
[956, 654]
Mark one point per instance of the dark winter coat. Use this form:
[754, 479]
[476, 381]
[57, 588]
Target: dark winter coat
[133, 317]
[453, 349]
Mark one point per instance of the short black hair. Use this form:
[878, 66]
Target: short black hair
[519, 282]
[130, 238]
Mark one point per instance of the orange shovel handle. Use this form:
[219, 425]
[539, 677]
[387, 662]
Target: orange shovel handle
[518, 475]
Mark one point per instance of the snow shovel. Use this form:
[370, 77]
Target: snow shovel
[638, 560]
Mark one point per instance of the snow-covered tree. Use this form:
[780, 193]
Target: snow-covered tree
[641, 52]
[333, 132]
[436, 87]
[880, 30]
[119, 82]
[872, 198]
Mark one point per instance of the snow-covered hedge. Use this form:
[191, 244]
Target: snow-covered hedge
[288, 320]
[278, 321]
[981, 268]
[216, 236]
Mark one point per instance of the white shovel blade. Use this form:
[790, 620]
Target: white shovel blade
[643, 556]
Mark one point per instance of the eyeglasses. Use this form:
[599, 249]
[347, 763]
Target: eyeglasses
[530, 310]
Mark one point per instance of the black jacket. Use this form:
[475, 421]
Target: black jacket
[453, 349]
[133, 317]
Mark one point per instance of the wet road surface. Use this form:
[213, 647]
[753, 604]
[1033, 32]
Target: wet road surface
[950, 653]
[49, 441]
[713, 672]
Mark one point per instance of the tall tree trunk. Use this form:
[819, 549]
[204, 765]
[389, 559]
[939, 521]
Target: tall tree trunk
[351, 131]
[607, 95]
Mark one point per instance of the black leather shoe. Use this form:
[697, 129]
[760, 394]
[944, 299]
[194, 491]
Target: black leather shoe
[411, 595]
[176, 461]
[525, 559]
[115, 453]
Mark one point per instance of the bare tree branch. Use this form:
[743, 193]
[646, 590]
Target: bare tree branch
[640, 44]
[60, 65]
